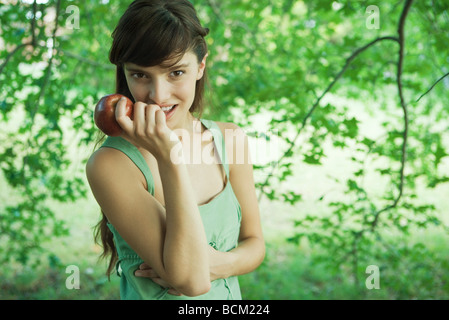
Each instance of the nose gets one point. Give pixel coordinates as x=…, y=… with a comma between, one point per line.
x=159, y=92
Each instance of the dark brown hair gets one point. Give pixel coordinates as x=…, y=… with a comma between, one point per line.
x=150, y=33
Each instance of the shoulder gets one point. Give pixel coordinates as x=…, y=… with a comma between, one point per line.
x=227, y=125
x=230, y=130
x=107, y=165
x=236, y=142
x=103, y=158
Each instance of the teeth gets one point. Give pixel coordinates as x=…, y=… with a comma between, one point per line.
x=165, y=109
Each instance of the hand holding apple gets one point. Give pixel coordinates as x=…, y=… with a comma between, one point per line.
x=104, y=115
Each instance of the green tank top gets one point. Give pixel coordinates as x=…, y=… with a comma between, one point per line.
x=221, y=219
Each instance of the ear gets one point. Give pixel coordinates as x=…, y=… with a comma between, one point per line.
x=202, y=67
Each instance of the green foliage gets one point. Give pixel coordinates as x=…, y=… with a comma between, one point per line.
x=48, y=89
x=297, y=53
x=289, y=59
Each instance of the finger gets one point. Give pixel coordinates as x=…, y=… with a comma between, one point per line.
x=150, y=114
x=161, y=282
x=174, y=292
x=120, y=115
x=160, y=119
x=147, y=273
x=139, y=116
x=164, y=284
x=144, y=266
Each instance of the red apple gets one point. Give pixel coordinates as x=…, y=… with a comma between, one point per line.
x=104, y=115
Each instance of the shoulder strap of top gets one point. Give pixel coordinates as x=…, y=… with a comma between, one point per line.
x=219, y=142
x=134, y=154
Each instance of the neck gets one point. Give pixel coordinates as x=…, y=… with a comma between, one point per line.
x=191, y=126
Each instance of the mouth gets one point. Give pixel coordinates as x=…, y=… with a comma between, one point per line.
x=169, y=111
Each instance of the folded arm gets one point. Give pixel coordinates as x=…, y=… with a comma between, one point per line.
x=250, y=252
x=171, y=240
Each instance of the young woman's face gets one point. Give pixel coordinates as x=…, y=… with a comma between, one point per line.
x=173, y=88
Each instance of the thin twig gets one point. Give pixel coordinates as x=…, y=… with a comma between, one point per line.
x=12, y=53
x=33, y=41
x=41, y=95
x=87, y=61
x=50, y=64
x=216, y=10
x=430, y=89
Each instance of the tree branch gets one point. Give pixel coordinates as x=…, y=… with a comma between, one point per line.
x=216, y=10
x=12, y=53
x=318, y=100
x=404, y=111
x=50, y=63
x=43, y=88
x=430, y=89
x=87, y=61
x=33, y=24
x=33, y=41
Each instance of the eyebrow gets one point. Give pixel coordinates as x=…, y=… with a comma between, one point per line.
x=179, y=66
x=171, y=68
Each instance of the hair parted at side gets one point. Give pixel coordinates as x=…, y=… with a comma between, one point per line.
x=150, y=33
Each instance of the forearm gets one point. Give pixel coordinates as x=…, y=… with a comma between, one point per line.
x=185, y=255
x=246, y=257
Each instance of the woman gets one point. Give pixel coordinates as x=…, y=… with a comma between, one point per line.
x=177, y=228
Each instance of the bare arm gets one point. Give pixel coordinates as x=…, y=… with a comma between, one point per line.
x=250, y=252
x=171, y=240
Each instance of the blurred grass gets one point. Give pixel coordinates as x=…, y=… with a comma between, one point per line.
x=292, y=272
x=288, y=272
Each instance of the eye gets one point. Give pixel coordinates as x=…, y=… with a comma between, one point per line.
x=177, y=73
x=138, y=75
